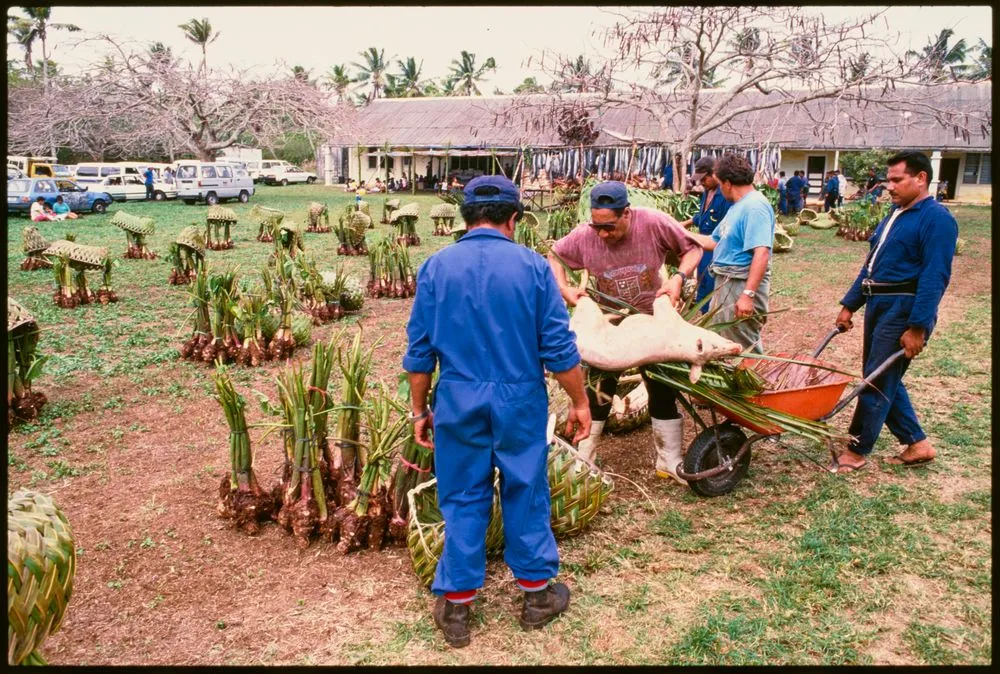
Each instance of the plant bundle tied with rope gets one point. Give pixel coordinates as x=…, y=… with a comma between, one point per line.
x=24, y=365
x=41, y=564
x=136, y=230
x=106, y=293
x=351, y=227
x=186, y=253
x=415, y=466
x=288, y=239
x=347, y=288
x=70, y=262
x=391, y=271
x=405, y=218
x=267, y=220
x=317, y=299
x=225, y=345
x=251, y=310
x=34, y=246
x=443, y=217
x=364, y=520
x=319, y=218
x=283, y=293
x=241, y=498
x=201, y=317
x=355, y=366
x=219, y=219
x=388, y=206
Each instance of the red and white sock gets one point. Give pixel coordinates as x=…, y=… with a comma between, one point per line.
x=533, y=585
x=466, y=597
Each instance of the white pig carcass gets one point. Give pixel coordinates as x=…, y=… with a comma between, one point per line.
x=641, y=339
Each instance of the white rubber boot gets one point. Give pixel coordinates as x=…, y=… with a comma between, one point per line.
x=668, y=438
x=588, y=446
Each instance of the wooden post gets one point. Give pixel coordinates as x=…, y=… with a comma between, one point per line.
x=413, y=160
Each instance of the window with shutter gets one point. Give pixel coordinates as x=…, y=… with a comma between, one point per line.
x=971, y=169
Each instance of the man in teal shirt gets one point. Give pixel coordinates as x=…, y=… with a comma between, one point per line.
x=742, y=259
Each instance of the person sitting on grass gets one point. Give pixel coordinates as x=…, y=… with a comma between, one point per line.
x=40, y=212
x=62, y=210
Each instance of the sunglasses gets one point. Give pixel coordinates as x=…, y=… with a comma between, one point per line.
x=606, y=228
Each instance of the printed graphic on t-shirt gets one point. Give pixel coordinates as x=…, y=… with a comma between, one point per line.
x=626, y=283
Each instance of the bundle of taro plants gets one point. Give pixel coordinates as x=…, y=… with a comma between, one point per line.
x=391, y=274
x=186, y=253
x=241, y=499
x=351, y=228
x=267, y=220
x=560, y=223
x=201, y=318
x=283, y=342
x=443, y=216
x=525, y=234
x=287, y=240
x=24, y=365
x=34, y=246
x=415, y=466
x=220, y=219
x=251, y=312
x=70, y=262
x=225, y=345
x=315, y=296
x=364, y=520
x=318, y=213
x=136, y=230
x=406, y=219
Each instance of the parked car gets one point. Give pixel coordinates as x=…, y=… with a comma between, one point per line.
x=133, y=188
x=21, y=192
x=285, y=175
x=269, y=167
x=62, y=171
x=14, y=172
x=211, y=182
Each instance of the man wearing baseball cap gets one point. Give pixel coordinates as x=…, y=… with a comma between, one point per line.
x=489, y=312
x=623, y=248
x=712, y=208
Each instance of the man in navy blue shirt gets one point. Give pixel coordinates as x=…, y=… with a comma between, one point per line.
x=901, y=284
x=490, y=312
x=711, y=209
x=148, y=176
x=832, y=190
x=793, y=193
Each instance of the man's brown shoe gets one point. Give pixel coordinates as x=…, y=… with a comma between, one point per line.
x=453, y=620
x=541, y=607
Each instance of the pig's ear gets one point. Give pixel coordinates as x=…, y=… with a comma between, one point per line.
x=695, y=371
x=699, y=345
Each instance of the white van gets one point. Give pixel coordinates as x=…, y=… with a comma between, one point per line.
x=95, y=172
x=269, y=168
x=211, y=182
x=125, y=180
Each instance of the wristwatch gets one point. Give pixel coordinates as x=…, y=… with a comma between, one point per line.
x=414, y=418
x=750, y=293
x=684, y=277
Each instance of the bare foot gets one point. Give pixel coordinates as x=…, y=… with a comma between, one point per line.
x=918, y=453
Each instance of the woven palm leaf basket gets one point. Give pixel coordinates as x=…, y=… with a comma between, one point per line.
x=79, y=255
x=34, y=245
x=192, y=237
x=132, y=223
x=221, y=214
x=577, y=487
x=41, y=562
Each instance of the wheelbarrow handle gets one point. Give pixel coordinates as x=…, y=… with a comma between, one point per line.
x=826, y=340
x=866, y=382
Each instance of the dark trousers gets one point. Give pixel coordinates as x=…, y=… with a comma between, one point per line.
x=794, y=203
x=662, y=398
x=831, y=201
x=149, y=192
x=887, y=403
x=783, y=202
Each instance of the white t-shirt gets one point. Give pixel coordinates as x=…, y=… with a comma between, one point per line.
x=841, y=183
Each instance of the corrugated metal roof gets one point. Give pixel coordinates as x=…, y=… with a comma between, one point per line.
x=902, y=119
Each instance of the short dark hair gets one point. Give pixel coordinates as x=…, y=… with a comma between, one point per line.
x=734, y=169
x=40, y=199
x=781, y=174
x=915, y=163
x=493, y=213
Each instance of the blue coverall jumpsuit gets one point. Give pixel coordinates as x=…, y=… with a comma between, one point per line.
x=919, y=247
x=793, y=194
x=489, y=311
x=707, y=219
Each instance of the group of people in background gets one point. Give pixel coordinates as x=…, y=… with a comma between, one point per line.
x=40, y=211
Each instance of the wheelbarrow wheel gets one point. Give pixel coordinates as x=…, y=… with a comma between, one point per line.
x=706, y=452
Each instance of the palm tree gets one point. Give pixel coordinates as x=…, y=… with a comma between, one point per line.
x=465, y=75
x=200, y=32
x=35, y=26
x=160, y=53
x=574, y=76
x=981, y=67
x=529, y=86
x=409, y=77
x=393, y=87
x=302, y=75
x=942, y=61
x=372, y=70
x=339, y=80
x=676, y=73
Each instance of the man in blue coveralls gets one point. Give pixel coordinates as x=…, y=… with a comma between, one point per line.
x=901, y=284
x=711, y=209
x=490, y=312
x=793, y=192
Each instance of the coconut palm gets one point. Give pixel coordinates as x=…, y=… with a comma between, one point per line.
x=301, y=74
x=160, y=53
x=981, y=67
x=200, y=32
x=575, y=76
x=408, y=78
x=943, y=61
x=372, y=71
x=529, y=86
x=338, y=79
x=35, y=25
x=465, y=75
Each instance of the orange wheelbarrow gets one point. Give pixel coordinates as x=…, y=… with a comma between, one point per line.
x=719, y=457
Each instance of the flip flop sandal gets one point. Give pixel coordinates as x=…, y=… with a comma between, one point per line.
x=903, y=463
x=843, y=469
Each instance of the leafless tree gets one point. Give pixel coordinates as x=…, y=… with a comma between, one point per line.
x=698, y=69
x=138, y=101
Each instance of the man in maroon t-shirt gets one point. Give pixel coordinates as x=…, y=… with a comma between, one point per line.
x=624, y=248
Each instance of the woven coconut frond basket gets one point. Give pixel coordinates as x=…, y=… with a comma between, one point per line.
x=317, y=208
x=578, y=489
x=34, y=242
x=782, y=241
x=41, y=562
x=262, y=215
x=392, y=204
x=192, y=237
x=221, y=214
x=363, y=207
x=411, y=210
x=17, y=316
x=359, y=222
x=132, y=223
x=443, y=211
x=91, y=257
